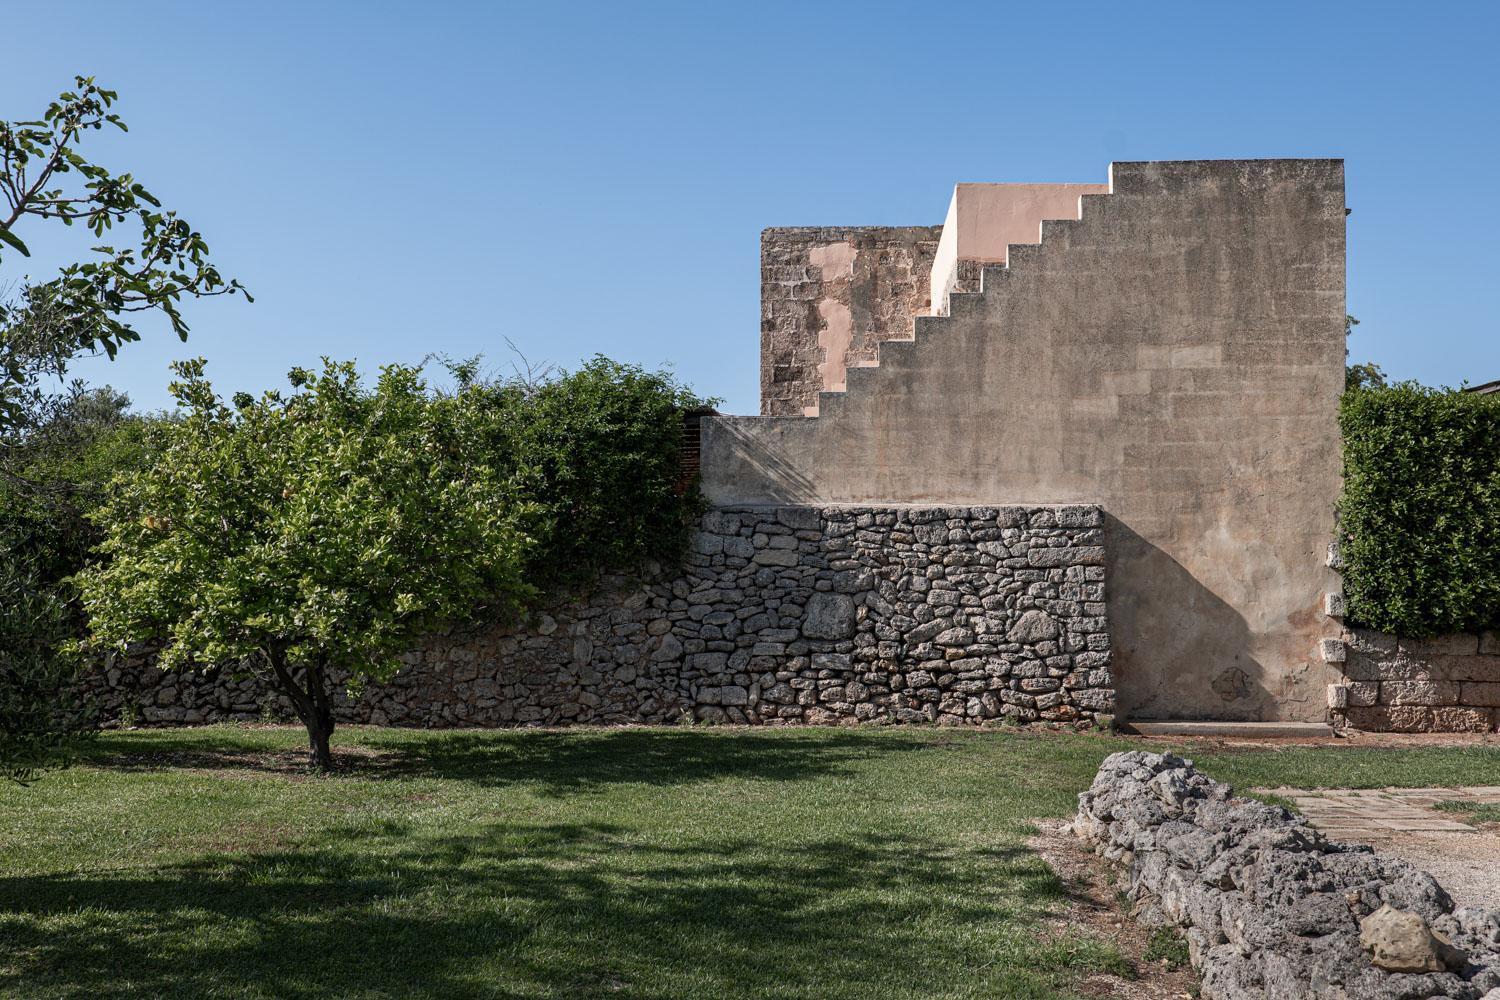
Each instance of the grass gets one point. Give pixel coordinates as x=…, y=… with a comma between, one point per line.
x=1473, y=812
x=1167, y=947
x=693, y=863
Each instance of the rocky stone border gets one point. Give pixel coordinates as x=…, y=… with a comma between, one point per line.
x=1271, y=908
x=784, y=615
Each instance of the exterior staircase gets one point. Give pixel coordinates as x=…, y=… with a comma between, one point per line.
x=994, y=279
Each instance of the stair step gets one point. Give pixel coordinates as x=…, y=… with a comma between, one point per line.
x=901, y=351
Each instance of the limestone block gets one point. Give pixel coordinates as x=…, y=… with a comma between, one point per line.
x=829, y=616
x=1400, y=941
x=1418, y=693
x=1483, y=693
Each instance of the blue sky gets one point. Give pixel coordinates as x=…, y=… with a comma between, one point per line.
x=394, y=179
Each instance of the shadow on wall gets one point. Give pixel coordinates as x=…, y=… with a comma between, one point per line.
x=766, y=468
x=1200, y=646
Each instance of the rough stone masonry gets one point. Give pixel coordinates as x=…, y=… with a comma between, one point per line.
x=1272, y=909
x=822, y=615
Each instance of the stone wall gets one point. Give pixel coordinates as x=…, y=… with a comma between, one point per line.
x=828, y=296
x=1270, y=908
x=1448, y=684
x=1175, y=355
x=832, y=615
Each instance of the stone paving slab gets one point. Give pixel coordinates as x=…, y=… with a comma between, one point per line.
x=1363, y=814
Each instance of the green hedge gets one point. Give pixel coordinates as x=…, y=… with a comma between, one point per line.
x=1420, y=512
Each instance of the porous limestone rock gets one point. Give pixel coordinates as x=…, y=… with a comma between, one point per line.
x=1269, y=906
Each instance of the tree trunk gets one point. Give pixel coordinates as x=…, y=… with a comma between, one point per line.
x=311, y=703
x=317, y=740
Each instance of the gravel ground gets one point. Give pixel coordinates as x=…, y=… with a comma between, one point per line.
x=1467, y=864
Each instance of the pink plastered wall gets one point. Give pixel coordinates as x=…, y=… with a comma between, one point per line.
x=985, y=219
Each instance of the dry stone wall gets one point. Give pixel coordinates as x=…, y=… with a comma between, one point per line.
x=1270, y=908
x=782, y=615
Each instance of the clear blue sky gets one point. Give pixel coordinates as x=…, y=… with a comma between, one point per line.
x=392, y=179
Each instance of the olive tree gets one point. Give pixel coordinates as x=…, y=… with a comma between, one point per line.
x=308, y=534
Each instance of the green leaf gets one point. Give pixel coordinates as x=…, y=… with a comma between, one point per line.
x=12, y=240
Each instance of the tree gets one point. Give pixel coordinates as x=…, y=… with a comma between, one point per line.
x=1366, y=374
x=58, y=472
x=43, y=327
x=308, y=534
x=44, y=176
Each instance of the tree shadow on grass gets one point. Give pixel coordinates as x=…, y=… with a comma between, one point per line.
x=545, y=910
x=550, y=762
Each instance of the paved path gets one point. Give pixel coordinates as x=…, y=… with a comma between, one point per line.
x=1374, y=814
x=1401, y=822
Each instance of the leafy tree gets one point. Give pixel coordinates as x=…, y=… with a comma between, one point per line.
x=305, y=534
x=58, y=472
x=1366, y=374
x=44, y=326
x=44, y=176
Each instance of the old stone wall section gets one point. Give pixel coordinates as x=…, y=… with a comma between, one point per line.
x=829, y=296
x=822, y=615
x=1271, y=908
x=1445, y=684
x=1176, y=356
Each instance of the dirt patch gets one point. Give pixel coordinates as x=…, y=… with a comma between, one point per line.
x=1095, y=909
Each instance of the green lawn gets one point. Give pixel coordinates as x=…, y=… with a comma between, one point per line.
x=699, y=863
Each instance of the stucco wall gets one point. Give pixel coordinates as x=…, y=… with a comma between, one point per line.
x=829, y=296
x=1176, y=356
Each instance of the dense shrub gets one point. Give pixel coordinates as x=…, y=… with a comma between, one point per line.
x=41, y=716
x=52, y=474
x=596, y=452
x=1420, y=512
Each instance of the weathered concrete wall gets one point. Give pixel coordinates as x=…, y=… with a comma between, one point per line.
x=1447, y=684
x=838, y=615
x=1175, y=356
x=829, y=296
